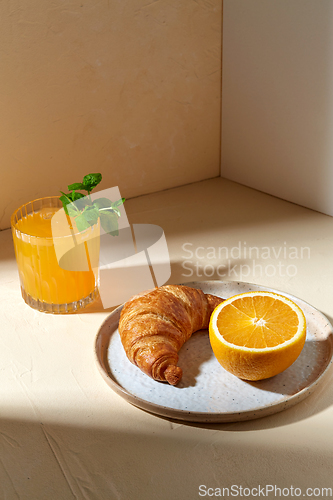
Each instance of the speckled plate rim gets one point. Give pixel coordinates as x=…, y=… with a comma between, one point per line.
x=110, y=324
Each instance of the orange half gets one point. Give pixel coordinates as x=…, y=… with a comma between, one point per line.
x=257, y=335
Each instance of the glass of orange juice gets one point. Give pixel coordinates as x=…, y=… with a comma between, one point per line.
x=47, y=284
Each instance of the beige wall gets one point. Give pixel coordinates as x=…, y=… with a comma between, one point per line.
x=131, y=89
x=277, y=115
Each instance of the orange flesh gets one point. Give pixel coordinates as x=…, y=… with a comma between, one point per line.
x=257, y=322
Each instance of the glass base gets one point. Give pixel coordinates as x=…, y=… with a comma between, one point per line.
x=59, y=308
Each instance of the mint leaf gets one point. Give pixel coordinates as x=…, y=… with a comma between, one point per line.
x=77, y=196
x=72, y=210
x=81, y=201
x=70, y=203
x=116, y=211
x=119, y=202
x=65, y=198
x=75, y=186
x=103, y=203
x=90, y=181
x=109, y=222
x=85, y=212
x=91, y=215
x=81, y=223
x=65, y=201
x=70, y=197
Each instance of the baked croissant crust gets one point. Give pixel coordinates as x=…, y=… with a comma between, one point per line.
x=154, y=326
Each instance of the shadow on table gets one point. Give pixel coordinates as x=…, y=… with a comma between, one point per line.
x=140, y=457
x=95, y=307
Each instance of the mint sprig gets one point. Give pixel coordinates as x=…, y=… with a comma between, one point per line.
x=87, y=212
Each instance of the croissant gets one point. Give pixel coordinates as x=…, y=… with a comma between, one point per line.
x=153, y=327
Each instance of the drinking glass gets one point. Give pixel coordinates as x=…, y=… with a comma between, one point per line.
x=47, y=284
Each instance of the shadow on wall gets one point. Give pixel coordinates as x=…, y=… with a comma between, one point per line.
x=277, y=107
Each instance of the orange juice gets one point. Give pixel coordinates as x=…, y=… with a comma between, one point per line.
x=45, y=284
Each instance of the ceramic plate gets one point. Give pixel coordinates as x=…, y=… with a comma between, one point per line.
x=208, y=393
